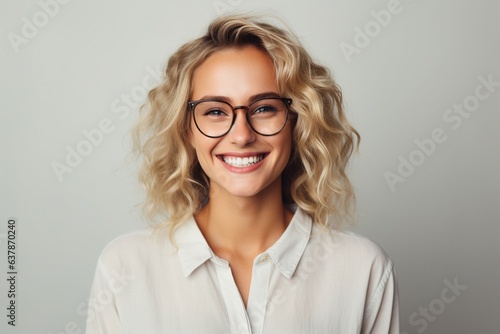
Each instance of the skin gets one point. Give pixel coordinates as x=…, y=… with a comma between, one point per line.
x=245, y=214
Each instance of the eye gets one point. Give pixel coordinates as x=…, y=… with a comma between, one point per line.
x=267, y=108
x=264, y=108
x=213, y=109
x=215, y=112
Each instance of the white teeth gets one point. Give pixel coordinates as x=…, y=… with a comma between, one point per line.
x=242, y=162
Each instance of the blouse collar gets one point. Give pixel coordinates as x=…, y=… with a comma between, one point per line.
x=285, y=253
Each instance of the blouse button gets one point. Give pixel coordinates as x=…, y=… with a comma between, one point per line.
x=264, y=258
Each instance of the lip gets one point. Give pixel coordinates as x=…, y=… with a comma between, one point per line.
x=241, y=170
x=242, y=154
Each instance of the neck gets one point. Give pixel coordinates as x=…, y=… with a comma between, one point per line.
x=244, y=225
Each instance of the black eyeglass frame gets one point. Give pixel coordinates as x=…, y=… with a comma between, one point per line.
x=287, y=101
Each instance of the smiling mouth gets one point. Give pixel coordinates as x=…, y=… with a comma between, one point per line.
x=242, y=161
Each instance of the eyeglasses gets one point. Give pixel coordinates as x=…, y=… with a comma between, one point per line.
x=266, y=116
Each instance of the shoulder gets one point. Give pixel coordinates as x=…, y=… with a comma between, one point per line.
x=353, y=251
x=360, y=246
x=359, y=265
x=133, y=247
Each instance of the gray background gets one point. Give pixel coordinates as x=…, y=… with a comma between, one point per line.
x=440, y=226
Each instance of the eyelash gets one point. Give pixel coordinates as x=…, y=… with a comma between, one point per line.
x=215, y=112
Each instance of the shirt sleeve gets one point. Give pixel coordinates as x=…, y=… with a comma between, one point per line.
x=102, y=315
x=382, y=313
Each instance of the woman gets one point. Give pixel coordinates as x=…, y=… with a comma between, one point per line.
x=245, y=145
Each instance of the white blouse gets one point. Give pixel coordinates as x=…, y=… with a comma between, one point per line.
x=311, y=281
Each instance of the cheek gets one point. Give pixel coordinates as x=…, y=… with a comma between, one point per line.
x=286, y=143
x=284, y=152
x=203, y=148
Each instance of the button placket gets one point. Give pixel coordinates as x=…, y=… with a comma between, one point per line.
x=257, y=299
x=238, y=317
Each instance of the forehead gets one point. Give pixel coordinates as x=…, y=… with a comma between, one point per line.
x=236, y=73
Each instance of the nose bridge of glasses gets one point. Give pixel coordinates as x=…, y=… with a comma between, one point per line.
x=246, y=108
x=245, y=117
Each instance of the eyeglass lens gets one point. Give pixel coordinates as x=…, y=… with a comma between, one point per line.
x=266, y=116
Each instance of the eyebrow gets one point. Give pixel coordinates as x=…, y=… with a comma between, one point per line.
x=250, y=99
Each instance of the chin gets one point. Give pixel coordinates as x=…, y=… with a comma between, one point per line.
x=238, y=192
x=243, y=190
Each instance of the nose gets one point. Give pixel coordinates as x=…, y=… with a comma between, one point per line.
x=241, y=133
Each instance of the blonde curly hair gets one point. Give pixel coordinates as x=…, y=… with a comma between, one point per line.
x=322, y=141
